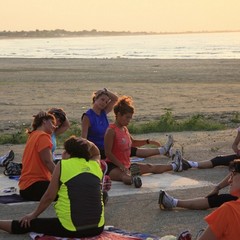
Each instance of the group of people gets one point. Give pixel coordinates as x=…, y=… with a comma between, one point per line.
x=80, y=213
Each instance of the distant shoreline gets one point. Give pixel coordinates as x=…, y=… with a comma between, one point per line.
x=59, y=33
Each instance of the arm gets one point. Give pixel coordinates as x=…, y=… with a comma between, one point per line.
x=46, y=157
x=113, y=99
x=108, y=144
x=63, y=127
x=139, y=143
x=224, y=183
x=94, y=151
x=85, y=126
x=207, y=235
x=235, y=144
x=48, y=197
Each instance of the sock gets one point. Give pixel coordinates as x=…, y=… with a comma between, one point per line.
x=161, y=150
x=193, y=164
x=175, y=202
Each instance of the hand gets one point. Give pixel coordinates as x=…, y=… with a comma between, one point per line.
x=125, y=170
x=25, y=221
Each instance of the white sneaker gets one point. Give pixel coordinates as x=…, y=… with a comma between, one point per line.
x=165, y=201
x=5, y=159
x=177, y=160
x=168, y=145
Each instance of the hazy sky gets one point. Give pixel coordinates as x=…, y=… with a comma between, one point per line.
x=120, y=15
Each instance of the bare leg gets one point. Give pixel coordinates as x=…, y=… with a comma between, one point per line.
x=157, y=168
x=205, y=164
x=147, y=152
x=6, y=225
x=118, y=175
x=195, y=203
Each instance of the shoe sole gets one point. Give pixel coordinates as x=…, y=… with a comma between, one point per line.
x=167, y=152
x=137, y=182
x=160, y=199
x=185, y=165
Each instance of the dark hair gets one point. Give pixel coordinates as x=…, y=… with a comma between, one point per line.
x=98, y=94
x=76, y=148
x=39, y=118
x=124, y=105
x=234, y=166
x=58, y=113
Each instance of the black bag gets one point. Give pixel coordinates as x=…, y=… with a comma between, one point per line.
x=13, y=169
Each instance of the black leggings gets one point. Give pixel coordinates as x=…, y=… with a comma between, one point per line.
x=217, y=200
x=223, y=160
x=53, y=227
x=35, y=191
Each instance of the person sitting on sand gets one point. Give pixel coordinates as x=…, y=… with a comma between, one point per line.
x=217, y=161
x=79, y=213
x=37, y=160
x=95, y=124
x=223, y=223
x=95, y=121
x=62, y=126
x=118, y=142
x=212, y=200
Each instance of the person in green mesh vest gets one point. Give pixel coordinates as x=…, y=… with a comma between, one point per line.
x=76, y=182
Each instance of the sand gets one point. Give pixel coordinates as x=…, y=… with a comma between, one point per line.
x=185, y=87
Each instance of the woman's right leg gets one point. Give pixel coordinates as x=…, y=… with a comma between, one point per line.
x=217, y=161
x=166, y=201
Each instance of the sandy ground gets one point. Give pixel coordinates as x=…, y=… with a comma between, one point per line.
x=185, y=87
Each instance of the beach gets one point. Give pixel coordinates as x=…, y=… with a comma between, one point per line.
x=184, y=87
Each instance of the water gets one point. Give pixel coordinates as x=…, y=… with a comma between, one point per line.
x=169, y=46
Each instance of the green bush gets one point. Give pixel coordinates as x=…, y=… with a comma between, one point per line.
x=166, y=123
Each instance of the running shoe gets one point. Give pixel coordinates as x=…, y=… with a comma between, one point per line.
x=177, y=160
x=137, y=181
x=185, y=235
x=4, y=160
x=168, y=145
x=135, y=173
x=165, y=201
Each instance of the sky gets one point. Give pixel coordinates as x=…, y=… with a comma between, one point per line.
x=120, y=15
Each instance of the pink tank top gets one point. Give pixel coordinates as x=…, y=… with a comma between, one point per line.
x=121, y=145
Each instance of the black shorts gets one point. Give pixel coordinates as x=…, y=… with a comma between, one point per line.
x=35, y=191
x=217, y=200
x=223, y=160
x=53, y=227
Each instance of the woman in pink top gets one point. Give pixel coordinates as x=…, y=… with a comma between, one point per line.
x=118, y=142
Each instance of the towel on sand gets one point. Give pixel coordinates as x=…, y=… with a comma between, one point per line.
x=109, y=233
